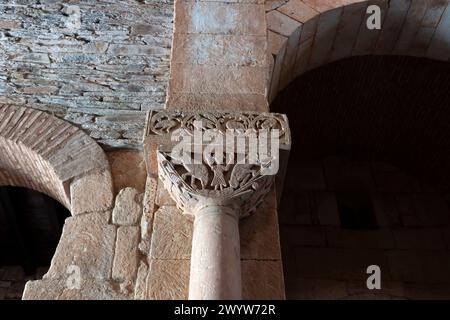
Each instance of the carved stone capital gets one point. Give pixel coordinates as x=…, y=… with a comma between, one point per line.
x=195, y=186
x=209, y=169
x=203, y=181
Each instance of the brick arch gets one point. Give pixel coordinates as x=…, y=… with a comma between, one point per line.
x=47, y=154
x=305, y=34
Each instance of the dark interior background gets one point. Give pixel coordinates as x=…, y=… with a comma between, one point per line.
x=30, y=228
x=368, y=179
x=392, y=108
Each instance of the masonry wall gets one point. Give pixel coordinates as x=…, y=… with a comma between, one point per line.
x=98, y=64
x=411, y=244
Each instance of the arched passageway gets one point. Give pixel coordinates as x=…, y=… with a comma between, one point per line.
x=30, y=228
x=43, y=153
x=368, y=179
x=306, y=34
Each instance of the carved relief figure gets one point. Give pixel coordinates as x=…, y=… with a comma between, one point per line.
x=241, y=174
x=218, y=182
x=196, y=172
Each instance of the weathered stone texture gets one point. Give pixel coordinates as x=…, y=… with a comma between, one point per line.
x=148, y=211
x=90, y=193
x=98, y=64
x=127, y=169
x=58, y=290
x=44, y=153
x=87, y=242
x=141, y=282
x=319, y=32
x=126, y=254
x=128, y=208
x=219, y=57
x=168, y=279
x=172, y=234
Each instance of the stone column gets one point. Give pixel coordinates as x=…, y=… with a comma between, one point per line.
x=215, y=257
x=216, y=194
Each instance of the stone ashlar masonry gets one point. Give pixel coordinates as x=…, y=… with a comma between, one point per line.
x=104, y=246
x=305, y=34
x=101, y=75
x=141, y=250
x=219, y=62
x=166, y=238
x=324, y=261
x=105, y=243
x=49, y=155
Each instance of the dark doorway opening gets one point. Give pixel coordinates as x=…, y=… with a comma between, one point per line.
x=30, y=228
x=368, y=179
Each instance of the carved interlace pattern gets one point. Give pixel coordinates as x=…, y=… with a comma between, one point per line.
x=194, y=185
x=165, y=122
x=241, y=185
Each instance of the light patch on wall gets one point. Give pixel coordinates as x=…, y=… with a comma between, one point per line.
x=203, y=18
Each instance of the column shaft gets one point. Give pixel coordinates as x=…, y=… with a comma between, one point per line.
x=215, y=258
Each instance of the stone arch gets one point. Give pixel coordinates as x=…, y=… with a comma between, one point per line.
x=46, y=154
x=305, y=34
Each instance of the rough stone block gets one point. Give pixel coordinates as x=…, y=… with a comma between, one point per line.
x=172, y=234
x=92, y=193
x=326, y=31
x=298, y=10
x=277, y=48
x=57, y=290
x=367, y=39
x=126, y=254
x=352, y=17
x=163, y=197
x=168, y=279
x=203, y=79
x=140, y=290
x=410, y=27
x=128, y=208
x=149, y=208
x=226, y=101
x=392, y=26
x=87, y=242
x=127, y=169
x=221, y=50
x=219, y=18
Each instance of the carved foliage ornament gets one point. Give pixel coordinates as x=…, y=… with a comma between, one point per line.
x=242, y=186
x=193, y=185
x=166, y=122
